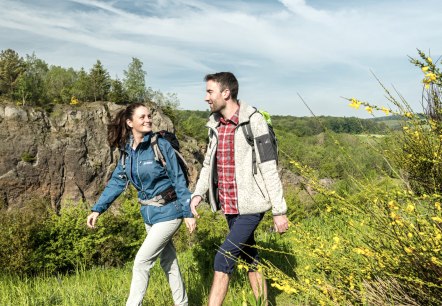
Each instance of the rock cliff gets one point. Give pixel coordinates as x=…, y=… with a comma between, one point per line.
x=64, y=155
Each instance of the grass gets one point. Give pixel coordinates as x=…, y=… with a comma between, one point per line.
x=110, y=286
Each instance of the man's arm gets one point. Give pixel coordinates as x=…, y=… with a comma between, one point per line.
x=202, y=185
x=266, y=160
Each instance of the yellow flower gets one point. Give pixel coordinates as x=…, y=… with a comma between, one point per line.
x=408, y=250
x=425, y=68
x=386, y=110
x=369, y=109
x=355, y=103
x=410, y=208
x=410, y=235
x=431, y=77
x=429, y=59
x=437, y=205
x=408, y=115
x=437, y=219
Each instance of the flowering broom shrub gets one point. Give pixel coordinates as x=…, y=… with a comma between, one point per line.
x=381, y=242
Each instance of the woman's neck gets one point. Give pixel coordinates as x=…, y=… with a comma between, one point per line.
x=137, y=139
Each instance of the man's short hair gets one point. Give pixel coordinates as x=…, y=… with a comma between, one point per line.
x=226, y=80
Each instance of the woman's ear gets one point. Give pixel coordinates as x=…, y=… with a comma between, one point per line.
x=129, y=123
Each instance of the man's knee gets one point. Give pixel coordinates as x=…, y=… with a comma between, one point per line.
x=224, y=262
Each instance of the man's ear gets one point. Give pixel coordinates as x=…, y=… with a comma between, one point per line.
x=226, y=93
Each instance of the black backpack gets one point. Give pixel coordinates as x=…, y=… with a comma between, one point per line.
x=159, y=157
x=250, y=139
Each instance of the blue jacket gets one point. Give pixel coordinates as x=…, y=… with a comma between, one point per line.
x=152, y=179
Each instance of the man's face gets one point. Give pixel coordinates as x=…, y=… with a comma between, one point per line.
x=214, y=97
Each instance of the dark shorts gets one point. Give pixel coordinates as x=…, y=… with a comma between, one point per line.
x=239, y=242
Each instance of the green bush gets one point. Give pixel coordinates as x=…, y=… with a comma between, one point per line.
x=18, y=229
x=35, y=239
x=28, y=157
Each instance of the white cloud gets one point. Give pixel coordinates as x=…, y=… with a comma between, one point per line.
x=300, y=7
x=281, y=47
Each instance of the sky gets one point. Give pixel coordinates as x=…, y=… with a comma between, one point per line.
x=320, y=50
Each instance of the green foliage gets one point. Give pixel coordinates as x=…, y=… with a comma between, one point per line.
x=134, y=81
x=117, y=93
x=30, y=83
x=419, y=149
x=58, y=84
x=309, y=126
x=17, y=240
x=192, y=125
x=376, y=241
x=81, y=89
x=35, y=239
x=99, y=81
x=11, y=66
x=28, y=157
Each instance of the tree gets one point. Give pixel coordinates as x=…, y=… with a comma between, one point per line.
x=134, y=82
x=11, y=66
x=82, y=87
x=58, y=84
x=30, y=83
x=117, y=93
x=100, y=81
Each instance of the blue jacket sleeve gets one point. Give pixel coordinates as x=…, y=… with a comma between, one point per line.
x=113, y=189
x=176, y=176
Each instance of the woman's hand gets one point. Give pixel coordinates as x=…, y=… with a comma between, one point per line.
x=191, y=224
x=92, y=219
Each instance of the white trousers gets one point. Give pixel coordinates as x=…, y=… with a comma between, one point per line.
x=158, y=242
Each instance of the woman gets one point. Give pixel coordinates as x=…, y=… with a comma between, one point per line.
x=162, y=193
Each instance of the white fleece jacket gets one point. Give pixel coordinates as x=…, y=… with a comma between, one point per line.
x=256, y=192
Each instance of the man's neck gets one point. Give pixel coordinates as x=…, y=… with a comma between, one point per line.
x=230, y=109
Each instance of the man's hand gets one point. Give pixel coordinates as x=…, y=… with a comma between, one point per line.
x=281, y=223
x=191, y=224
x=92, y=219
x=193, y=205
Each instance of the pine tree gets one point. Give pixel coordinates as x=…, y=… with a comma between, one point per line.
x=82, y=87
x=100, y=82
x=134, y=81
x=117, y=93
x=11, y=66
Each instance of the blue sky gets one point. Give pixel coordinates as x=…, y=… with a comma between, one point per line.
x=323, y=50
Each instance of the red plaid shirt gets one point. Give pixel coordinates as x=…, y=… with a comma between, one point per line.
x=225, y=155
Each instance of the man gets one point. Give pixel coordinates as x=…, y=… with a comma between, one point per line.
x=243, y=193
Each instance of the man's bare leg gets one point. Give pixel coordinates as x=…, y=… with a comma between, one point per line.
x=219, y=288
x=259, y=286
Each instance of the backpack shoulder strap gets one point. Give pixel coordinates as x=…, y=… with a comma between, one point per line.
x=156, y=150
x=248, y=134
x=123, y=158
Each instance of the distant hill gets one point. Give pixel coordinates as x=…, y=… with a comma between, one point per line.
x=192, y=122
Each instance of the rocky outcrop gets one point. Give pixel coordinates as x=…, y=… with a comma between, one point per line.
x=63, y=155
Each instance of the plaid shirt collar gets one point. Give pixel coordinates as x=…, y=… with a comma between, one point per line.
x=234, y=119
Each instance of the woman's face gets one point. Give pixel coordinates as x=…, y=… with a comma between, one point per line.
x=141, y=122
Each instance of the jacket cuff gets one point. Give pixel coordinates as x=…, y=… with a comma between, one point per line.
x=187, y=214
